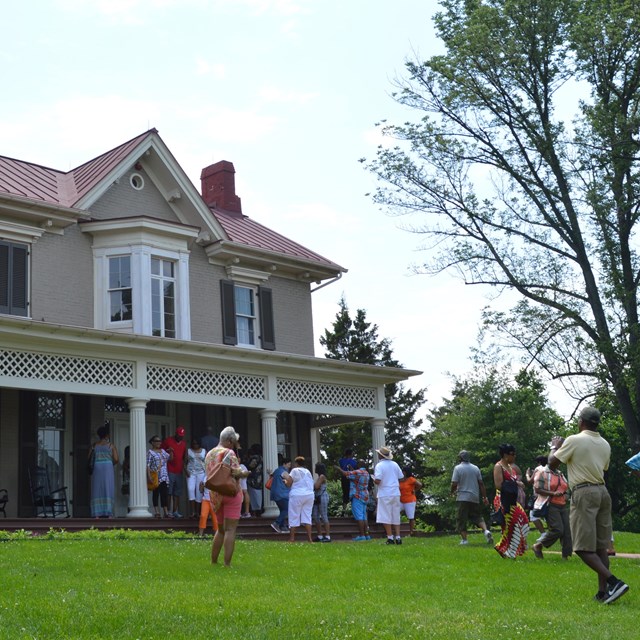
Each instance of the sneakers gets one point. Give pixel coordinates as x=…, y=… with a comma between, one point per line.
x=390, y=541
x=367, y=537
x=398, y=540
x=613, y=592
x=319, y=539
x=275, y=527
x=245, y=515
x=284, y=530
x=464, y=542
x=177, y=515
x=489, y=537
x=359, y=539
x=326, y=539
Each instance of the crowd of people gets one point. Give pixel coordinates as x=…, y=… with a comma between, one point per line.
x=582, y=527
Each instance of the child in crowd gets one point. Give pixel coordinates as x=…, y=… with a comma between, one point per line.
x=206, y=509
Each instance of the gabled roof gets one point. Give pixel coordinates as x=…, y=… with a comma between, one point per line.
x=27, y=184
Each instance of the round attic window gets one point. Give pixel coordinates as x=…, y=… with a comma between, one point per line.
x=136, y=181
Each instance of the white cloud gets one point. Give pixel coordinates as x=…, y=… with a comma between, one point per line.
x=205, y=68
x=229, y=125
x=270, y=94
x=77, y=128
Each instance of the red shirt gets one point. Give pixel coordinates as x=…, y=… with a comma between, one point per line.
x=179, y=448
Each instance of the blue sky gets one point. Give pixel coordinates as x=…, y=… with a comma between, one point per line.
x=287, y=90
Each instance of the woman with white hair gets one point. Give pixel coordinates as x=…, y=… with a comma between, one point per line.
x=227, y=508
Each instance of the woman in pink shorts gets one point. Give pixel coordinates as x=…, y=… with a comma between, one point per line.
x=227, y=508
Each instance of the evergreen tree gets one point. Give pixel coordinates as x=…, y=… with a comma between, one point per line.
x=356, y=340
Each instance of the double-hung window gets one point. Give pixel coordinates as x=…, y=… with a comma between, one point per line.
x=141, y=275
x=245, y=302
x=120, y=299
x=14, y=278
x=163, y=298
x=247, y=315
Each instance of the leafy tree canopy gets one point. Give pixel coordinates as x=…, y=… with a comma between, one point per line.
x=482, y=413
x=356, y=340
x=521, y=185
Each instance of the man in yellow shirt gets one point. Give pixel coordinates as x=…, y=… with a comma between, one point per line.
x=587, y=455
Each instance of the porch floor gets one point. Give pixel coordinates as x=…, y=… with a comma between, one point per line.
x=248, y=528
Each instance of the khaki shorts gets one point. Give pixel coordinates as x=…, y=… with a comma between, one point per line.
x=590, y=518
x=468, y=511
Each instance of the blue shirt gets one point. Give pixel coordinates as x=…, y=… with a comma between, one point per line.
x=279, y=489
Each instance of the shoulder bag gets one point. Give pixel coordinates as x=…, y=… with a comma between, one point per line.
x=219, y=478
x=153, y=476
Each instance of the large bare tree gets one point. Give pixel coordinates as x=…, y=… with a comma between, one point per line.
x=522, y=164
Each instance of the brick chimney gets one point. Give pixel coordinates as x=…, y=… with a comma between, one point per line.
x=219, y=187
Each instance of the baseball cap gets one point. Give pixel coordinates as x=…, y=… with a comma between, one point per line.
x=180, y=431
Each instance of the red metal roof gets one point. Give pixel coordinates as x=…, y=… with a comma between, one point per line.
x=35, y=182
x=29, y=180
x=244, y=230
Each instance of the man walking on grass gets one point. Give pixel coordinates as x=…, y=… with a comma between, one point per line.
x=587, y=455
x=467, y=486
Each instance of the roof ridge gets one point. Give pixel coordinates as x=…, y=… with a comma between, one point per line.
x=116, y=148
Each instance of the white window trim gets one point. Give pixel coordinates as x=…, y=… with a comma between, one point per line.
x=141, y=238
x=122, y=325
x=141, y=289
x=250, y=279
x=256, y=316
x=22, y=233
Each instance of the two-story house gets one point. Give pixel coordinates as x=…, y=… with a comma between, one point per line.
x=127, y=296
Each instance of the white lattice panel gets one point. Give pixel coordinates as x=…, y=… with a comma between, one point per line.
x=334, y=395
x=44, y=366
x=202, y=382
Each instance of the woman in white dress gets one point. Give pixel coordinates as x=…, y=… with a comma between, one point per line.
x=300, y=481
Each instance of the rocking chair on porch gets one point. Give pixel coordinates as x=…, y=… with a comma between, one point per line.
x=47, y=502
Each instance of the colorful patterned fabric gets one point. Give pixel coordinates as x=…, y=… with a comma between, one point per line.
x=359, y=487
x=513, y=542
x=157, y=461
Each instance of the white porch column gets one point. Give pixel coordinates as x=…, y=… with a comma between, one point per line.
x=138, y=495
x=315, y=448
x=377, y=436
x=269, y=457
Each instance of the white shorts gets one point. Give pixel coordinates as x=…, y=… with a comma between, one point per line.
x=409, y=509
x=300, y=508
x=388, y=510
x=193, y=486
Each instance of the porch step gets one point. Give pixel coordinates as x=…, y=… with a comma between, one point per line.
x=248, y=528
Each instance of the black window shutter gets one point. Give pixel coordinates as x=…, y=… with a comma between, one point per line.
x=4, y=277
x=13, y=278
x=229, y=332
x=267, y=326
x=19, y=280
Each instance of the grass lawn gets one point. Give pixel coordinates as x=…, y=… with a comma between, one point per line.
x=162, y=587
